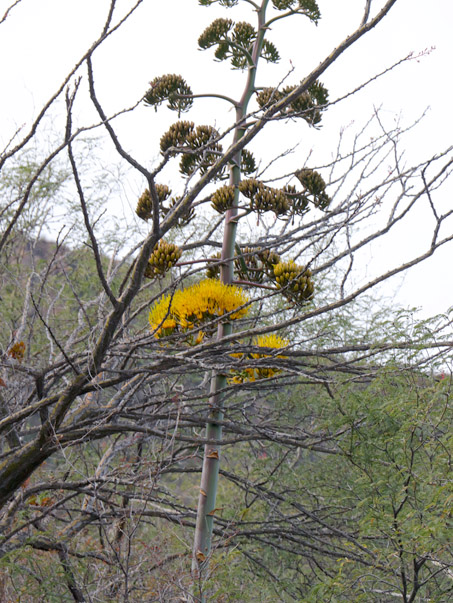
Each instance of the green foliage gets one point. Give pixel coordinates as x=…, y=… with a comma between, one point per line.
x=392, y=478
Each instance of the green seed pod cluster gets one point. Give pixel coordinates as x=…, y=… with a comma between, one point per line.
x=188, y=138
x=295, y=281
x=310, y=104
x=164, y=256
x=201, y=136
x=244, y=34
x=163, y=192
x=176, y=135
x=304, y=107
x=223, y=199
x=243, y=37
x=169, y=87
x=283, y=4
x=314, y=185
x=213, y=269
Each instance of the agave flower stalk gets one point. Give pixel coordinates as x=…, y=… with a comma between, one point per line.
x=211, y=461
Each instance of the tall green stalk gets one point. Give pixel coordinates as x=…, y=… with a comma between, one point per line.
x=211, y=460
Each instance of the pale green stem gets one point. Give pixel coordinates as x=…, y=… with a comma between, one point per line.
x=211, y=461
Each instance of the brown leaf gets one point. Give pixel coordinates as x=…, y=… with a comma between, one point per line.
x=47, y=501
x=17, y=351
x=214, y=454
x=200, y=557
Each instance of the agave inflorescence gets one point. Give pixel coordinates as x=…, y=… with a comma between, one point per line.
x=193, y=307
x=162, y=259
x=173, y=88
x=271, y=341
x=294, y=280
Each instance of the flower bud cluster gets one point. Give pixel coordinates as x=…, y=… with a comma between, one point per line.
x=199, y=151
x=201, y=139
x=144, y=209
x=176, y=135
x=248, y=163
x=227, y=3
x=213, y=268
x=308, y=105
x=299, y=201
x=249, y=265
x=307, y=7
x=264, y=198
x=235, y=43
x=170, y=87
x=223, y=198
x=314, y=185
x=164, y=257
x=294, y=280
x=269, y=259
x=215, y=34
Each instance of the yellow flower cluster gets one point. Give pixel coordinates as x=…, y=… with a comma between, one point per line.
x=196, y=305
x=252, y=374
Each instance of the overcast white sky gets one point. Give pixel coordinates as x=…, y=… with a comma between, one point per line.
x=41, y=40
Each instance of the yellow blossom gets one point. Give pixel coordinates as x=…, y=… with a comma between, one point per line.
x=251, y=374
x=195, y=305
